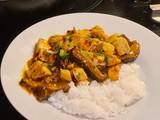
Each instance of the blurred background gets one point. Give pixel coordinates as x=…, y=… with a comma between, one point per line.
x=17, y=15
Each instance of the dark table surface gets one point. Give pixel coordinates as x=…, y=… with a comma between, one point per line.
x=14, y=22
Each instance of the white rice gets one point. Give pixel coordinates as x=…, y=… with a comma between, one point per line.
x=102, y=101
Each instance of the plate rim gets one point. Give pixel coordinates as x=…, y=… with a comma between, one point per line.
x=47, y=19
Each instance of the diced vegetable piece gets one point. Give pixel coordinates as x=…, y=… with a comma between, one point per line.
x=96, y=41
x=46, y=56
x=80, y=75
x=98, y=32
x=70, y=66
x=83, y=33
x=99, y=58
x=124, y=36
x=113, y=72
x=122, y=46
x=88, y=65
x=65, y=75
x=56, y=39
x=108, y=48
x=62, y=53
x=68, y=45
x=133, y=54
x=135, y=47
x=120, y=42
x=96, y=46
x=84, y=43
x=42, y=44
x=43, y=52
x=56, y=42
x=38, y=70
x=112, y=38
x=113, y=60
x=75, y=39
x=81, y=39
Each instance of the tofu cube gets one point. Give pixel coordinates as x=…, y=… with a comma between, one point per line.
x=113, y=60
x=113, y=72
x=38, y=70
x=42, y=44
x=46, y=56
x=122, y=46
x=80, y=75
x=108, y=48
x=65, y=75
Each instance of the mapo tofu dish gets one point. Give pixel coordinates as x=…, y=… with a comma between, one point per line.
x=80, y=56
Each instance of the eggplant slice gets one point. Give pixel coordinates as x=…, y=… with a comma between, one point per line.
x=88, y=65
x=133, y=54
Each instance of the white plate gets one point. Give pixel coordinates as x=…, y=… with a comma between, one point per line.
x=21, y=49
